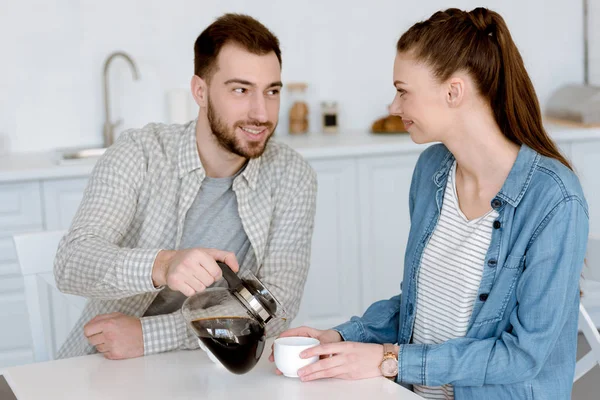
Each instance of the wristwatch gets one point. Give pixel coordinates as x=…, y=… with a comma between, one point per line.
x=389, y=364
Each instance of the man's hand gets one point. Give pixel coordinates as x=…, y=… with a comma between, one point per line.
x=117, y=336
x=190, y=271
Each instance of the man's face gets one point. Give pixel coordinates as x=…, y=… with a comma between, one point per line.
x=243, y=100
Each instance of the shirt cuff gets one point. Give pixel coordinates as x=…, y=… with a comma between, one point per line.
x=412, y=363
x=163, y=332
x=351, y=331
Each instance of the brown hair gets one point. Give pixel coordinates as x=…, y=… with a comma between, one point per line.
x=240, y=29
x=479, y=43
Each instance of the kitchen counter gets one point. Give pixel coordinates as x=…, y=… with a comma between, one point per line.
x=313, y=146
x=180, y=375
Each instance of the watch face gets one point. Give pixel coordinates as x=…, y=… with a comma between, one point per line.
x=389, y=367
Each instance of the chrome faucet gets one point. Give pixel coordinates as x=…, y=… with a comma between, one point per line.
x=109, y=127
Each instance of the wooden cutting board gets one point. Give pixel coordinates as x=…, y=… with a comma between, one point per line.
x=566, y=122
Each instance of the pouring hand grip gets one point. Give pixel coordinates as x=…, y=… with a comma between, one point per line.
x=230, y=277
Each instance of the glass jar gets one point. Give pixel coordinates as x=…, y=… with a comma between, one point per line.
x=330, y=117
x=231, y=322
x=298, y=123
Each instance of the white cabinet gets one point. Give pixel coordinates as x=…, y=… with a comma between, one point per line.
x=61, y=201
x=20, y=207
x=332, y=292
x=15, y=334
x=384, y=184
x=20, y=211
x=361, y=229
x=8, y=258
x=28, y=206
x=586, y=161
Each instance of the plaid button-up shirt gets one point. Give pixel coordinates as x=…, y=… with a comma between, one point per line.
x=135, y=205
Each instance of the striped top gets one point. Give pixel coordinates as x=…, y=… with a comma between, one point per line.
x=449, y=277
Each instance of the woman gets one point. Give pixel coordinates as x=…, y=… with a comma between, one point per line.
x=498, y=233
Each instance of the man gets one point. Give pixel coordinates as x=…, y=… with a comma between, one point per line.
x=168, y=201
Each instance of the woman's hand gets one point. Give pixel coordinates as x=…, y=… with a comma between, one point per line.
x=328, y=336
x=345, y=360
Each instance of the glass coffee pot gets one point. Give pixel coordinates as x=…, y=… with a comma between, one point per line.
x=231, y=321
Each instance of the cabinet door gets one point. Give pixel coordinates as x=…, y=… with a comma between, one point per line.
x=20, y=208
x=332, y=289
x=384, y=185
x=61, y=201
x=15, y=337
x=20, y=211
x=586, y=161
x=9, y=267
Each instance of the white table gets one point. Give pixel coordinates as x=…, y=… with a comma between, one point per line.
x=180, y=375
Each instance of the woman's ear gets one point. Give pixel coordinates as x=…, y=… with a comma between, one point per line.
x=455, y=92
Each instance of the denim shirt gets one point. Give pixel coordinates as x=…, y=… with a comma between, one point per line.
x=522, y=336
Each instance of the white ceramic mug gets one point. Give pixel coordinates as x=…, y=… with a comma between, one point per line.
x=287, y=354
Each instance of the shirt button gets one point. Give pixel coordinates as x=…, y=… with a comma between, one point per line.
x=496, y=203
x=497, y=224
x=492, y=263
x=483, y=296
x=410, y=309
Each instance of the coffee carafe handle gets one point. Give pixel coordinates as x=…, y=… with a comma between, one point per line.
x=230, y=277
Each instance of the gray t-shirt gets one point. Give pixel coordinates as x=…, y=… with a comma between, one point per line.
x=212, y=221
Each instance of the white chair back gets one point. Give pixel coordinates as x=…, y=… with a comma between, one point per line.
x=586, y=324
x=52, y=314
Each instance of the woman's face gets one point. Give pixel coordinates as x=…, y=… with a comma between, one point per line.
x=420, y=100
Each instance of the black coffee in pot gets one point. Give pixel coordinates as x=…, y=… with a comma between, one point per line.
x=237, y=342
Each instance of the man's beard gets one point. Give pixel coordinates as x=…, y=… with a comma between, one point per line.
x=228, y=140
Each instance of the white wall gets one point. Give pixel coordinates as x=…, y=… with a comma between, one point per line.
x=594, y=41
x=52, y=54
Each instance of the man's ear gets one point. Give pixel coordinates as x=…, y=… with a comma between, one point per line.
x=199, y=91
